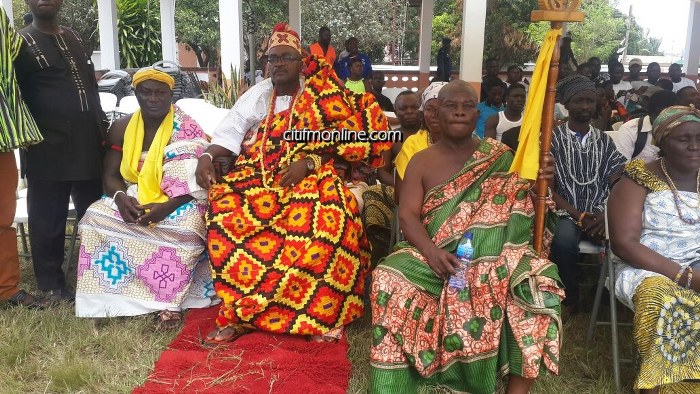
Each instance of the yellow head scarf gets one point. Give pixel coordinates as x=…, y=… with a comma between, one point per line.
x=151, y=174
x=147, y=73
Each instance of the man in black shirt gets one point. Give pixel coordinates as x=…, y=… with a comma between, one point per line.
x=444, y=63
x=57, y=81
x=377, y=86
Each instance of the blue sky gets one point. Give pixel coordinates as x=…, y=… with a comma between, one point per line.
x=667, y=19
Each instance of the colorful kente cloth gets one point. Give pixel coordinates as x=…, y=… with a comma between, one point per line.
x=378, y=215
x=17, y=127
x=505, y=320
x=294, y=260
x=127, y=269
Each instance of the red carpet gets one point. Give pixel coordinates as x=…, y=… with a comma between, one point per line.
x=255, y=363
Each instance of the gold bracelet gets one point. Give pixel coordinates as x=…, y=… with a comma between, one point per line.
x=690, y=278
x=316, y=159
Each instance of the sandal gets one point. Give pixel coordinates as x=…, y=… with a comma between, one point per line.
x=332, y=335
x=23, y=298
x=322, y=339
x=168, y=320
x=234, y=331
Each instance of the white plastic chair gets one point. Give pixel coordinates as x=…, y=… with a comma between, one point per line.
x=21, y=218
x=128, y=105
x=108, y=101
x=205, y=114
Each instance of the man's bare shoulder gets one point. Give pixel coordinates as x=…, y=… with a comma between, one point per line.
x=116, y=132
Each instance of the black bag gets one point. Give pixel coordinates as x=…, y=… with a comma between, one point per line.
x=642, y=137
x=186, y=83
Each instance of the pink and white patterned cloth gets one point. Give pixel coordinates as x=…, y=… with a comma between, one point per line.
x=128, y=269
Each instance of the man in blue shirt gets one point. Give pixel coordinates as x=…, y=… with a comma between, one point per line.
x=341, y=66
x=493, y=104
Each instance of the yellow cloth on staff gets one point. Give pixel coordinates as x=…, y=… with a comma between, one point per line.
x=527, y=158
x=151, y=174
x=413, y=144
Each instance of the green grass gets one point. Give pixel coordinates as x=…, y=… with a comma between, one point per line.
x=52, y=351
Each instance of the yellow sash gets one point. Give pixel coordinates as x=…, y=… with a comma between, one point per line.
x=151, y=174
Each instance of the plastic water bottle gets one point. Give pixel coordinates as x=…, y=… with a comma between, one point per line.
x=464, y=253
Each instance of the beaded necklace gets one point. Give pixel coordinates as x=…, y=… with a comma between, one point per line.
x=284, y=152
x=677, y=196
x=573, y=150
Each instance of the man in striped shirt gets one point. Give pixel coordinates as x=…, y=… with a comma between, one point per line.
x=587, y=162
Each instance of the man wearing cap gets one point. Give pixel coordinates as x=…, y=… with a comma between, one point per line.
x=586, y=163
x=634, y=78
x=285, y=237
x=142, y=245
x=57, y=81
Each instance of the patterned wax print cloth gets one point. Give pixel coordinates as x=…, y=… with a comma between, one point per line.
x=126, y=269
x=506, y=320
x=294, y=259
x=667, y=316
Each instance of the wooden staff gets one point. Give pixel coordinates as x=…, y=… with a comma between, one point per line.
x=556, y=12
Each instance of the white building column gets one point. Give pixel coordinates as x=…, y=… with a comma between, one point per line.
x=7, y=5
x=425, y=40
x=472, y=51
x=295, y=16
x=692, y=42
x=231, y=26
x=109, y=43
x=167, y=28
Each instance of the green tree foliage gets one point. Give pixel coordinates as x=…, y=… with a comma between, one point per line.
x=600, y=32
x=641, y=42
x=197, y=25
x=266, y=13
x=350, y=18
x=139, y=32
x=79, y=15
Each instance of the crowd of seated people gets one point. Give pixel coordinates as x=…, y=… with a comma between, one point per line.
x=293, y=237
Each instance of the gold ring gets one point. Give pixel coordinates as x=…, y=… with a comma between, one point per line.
x=147, y=210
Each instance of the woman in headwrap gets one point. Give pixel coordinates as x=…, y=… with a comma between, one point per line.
x=654, y=214
x=425, y=137
x=143, y=244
